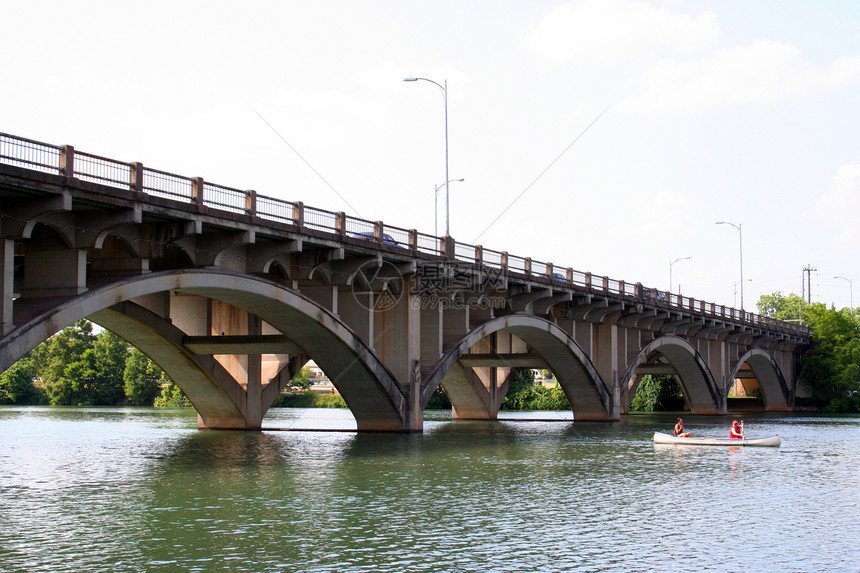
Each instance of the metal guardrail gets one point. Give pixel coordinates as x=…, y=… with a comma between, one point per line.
x=64, y=160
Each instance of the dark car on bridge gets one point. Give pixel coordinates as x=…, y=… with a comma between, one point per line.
x=654, y=294
x=370, y=236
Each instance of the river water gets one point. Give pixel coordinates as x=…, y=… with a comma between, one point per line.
x=143, y=490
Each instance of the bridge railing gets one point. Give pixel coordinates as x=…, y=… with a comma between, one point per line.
x=400, y=237
x=226, y=198
x=274, y=209
x=97, y=169
x=359, y=228
x=30, y=154
x=65, y=160
x=466, y=253
x=322, y=220
x=429, y=244
x=493, y=259
x=167, y=185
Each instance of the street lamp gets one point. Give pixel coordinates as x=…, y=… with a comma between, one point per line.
x=670, y=269
x=735, y=301
x=850, y=290
x=436, y=206
x=741, y=246
x=444, y=89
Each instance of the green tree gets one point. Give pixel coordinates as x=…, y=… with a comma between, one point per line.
x=95, y=378
x=111, y=353
x=831, y=367
x=16, y=384
x=74, y=386
x=143, y=379
x=172, y=397
x=65, y=347
x=781, y=307
x=657, y=393
x=301, y=381
x=439, y=400
x=518, y=393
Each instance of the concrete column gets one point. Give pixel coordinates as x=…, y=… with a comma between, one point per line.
x=7, y=286
x=484, y=346
x=272, y=364
x=323, y=295
x=605, y=358
x=494, y=375
x=455, y=325
x=396, y=335
x=54, y=272
x=720, y=370
x=478, y=316
x=633, y=344
x=619, y=350
x=355, y=310
x=189, y=313
x=414, y=313
x=583, y=333
x=431, y=334
x=229, y=320
x=568, y=325
x=502, y=343
x=254, y=406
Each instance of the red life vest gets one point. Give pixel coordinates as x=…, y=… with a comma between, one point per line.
x=736, y=428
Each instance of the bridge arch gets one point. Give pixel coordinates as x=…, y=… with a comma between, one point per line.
x=211, y=389
x=367, y=386
x=577, y=376
x=696, y=380
x=774, y=390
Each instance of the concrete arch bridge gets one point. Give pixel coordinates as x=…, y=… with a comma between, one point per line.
x=231, y=292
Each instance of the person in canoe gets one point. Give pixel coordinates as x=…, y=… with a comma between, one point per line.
x=679, y=429
x=736, y=431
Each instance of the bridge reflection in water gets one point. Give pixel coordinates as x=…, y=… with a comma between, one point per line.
x=231, y=292
x=141, y=491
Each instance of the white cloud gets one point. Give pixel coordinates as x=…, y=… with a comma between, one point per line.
x=840, y=206
x=608, y=31
x=763, y=72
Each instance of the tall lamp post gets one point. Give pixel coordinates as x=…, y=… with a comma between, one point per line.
x=436, y=206
x=735, y=300
x=444, y=89
x=850, y=290
x=741, y=250
x=670, y=269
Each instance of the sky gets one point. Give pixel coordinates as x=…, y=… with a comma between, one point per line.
x=608, y=136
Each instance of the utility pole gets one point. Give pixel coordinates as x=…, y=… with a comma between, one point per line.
x=808, y=270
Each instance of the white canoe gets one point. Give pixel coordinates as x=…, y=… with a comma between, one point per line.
x=660, y=438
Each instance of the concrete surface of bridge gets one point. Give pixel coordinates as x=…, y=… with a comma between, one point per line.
x=231, y=292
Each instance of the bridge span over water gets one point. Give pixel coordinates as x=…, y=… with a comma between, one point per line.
x=232, y=292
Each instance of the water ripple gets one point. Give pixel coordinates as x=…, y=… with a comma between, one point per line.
x=136, y=492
